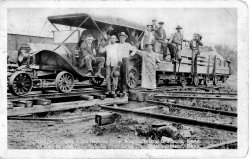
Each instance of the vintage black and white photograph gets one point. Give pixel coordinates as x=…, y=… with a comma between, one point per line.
x=152, y=78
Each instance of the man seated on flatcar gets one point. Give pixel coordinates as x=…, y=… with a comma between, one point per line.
x=177, y=41
x=161, y=37
x=87, y=57
x=148, y=36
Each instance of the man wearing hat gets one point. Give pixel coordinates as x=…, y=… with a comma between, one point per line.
x=124, y=50
x=160, y=36
x=194, y=45
x=148, y=36
x=177, y=41
x=154, y=25
x=112, y=67
x=87, y=57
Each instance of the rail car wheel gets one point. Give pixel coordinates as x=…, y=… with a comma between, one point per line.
x=157, y=79
x=96, y=81
x=196, y=80
x=20, y=83
x=183, y=80
x=215, y=80
x=189, y=81
x=132, y=77
x=206, y=80
x=64, y=82
x=166, y=81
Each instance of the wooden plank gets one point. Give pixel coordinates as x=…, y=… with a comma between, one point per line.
x=23, y=103
x=42, y=102
x=66, y=106
x=86, y=97
x=146, y=108
x=99, y=96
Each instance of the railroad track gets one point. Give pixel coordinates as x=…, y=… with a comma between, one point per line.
x=201, y=93
x=227, y=113
x=162, y=96
x=52, y=95
x=211, y=89
x=180, y=120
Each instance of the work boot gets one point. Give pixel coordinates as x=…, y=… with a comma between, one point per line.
x=89, y=74
x=113, y=95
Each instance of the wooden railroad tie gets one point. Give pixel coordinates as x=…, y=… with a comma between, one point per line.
x=65, y=106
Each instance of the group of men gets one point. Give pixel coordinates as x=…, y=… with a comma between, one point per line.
x=115, y=52
x=173, y=44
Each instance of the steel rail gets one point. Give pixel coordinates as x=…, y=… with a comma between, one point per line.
x=225, y=127
x=195, y=108
x=195, y=97
x=202, y=93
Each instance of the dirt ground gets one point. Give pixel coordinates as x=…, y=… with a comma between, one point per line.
x=82, y=135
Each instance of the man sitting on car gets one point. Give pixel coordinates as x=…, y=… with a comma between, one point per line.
x=87, y=57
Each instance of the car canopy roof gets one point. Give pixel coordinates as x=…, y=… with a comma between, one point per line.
x=75, y=20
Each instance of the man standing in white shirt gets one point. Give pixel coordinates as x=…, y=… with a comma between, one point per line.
x=124, y=51
x=112, y=67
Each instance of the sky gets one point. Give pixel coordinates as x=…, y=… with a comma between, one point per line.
x=216, y=25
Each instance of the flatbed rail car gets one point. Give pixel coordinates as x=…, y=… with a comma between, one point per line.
x=209, y=67
x=40, y=64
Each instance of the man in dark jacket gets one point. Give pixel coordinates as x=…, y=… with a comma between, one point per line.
x=160, y=36
x=87, y=57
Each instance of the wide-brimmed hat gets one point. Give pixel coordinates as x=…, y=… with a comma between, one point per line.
x=178, y=27
x=150, y=25
x=123, y=34
x=161, y=23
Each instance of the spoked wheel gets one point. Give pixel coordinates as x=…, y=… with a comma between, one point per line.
x=132, y=77
x=215, y=80
x=183, y=80
x=196, y=80
x=96, y=81
x=64, y=82
x=206, y=80
x=20, y=83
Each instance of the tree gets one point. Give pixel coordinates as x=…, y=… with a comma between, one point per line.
x=228, y=54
